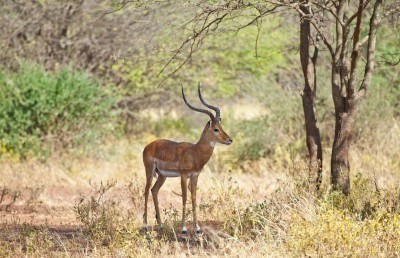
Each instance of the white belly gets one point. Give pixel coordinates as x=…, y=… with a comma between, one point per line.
x=169, y=173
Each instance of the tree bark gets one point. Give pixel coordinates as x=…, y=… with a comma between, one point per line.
x=345, y=96
x=309, y=95
x=340, y=165
x=344, y=113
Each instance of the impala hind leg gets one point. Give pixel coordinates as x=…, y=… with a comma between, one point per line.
x=193, y=189
x=149, y=179
x=184, y=186
x=154, y=191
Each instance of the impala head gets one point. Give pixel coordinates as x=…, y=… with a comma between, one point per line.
x=213, y=130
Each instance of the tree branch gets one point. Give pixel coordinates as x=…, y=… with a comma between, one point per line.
x=369, y=67
x=329, y=10
x=338, y=100
x=320, y=32
x=221, y=11
x=355, y=15
x=197, y=36
x=355, y=53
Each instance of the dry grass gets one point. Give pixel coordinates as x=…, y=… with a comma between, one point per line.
x=70, y=206
x=58, y=213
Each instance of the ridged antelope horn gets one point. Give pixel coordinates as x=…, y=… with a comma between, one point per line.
x=197, y=109
x=217, y=111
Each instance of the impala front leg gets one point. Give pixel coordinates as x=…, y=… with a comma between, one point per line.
x=184, y=179
x=160, y=181
x=193, y=189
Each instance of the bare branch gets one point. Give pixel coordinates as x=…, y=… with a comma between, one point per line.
x=339, y=29
x=355, y=15
x=222, y=12
x=330, y=10
x=320, y=32
x=337, y=72
x=316, y=49
x=262, y=14
x=369, y=67
x=256, y=43
x=197, y=36
x=120, y=5
x=388, y=62
x=392, y=11
x=363, y=41
x=355, y=53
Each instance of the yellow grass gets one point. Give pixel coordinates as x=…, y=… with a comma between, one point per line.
x=243, y=211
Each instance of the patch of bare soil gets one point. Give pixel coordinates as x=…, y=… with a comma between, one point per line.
x=52, y=208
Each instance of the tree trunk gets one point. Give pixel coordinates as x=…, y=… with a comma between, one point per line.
x=340, y=166
x=345, y=96
x=313, y=138
x=345, y=116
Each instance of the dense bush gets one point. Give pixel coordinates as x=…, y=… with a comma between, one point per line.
x=37, y=108
x=277, y=134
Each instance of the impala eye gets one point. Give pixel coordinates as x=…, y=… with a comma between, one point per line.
x=216, y=130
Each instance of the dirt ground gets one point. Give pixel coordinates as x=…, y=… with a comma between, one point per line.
x=53, y=206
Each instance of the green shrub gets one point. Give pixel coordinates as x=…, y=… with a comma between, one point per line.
x=98, y=215
x=277, y=134
x=37, y=108
x=170, y=126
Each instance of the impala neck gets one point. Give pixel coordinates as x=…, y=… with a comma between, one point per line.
x=205, y=144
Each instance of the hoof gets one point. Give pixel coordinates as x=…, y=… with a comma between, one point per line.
x=184, y=230
x=198, y=230
x=144, y=230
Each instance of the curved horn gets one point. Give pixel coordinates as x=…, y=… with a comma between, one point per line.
x=196, y=109
x=217, y=111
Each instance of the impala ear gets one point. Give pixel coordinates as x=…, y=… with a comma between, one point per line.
x=210, y=124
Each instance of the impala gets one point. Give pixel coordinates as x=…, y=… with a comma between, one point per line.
x=166, y=158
